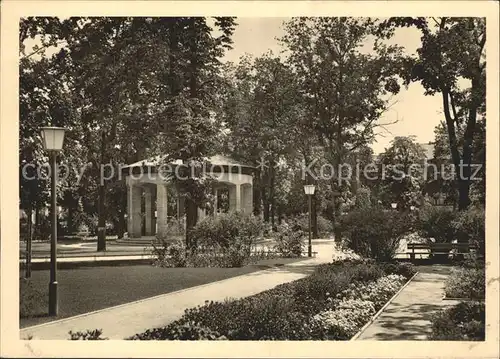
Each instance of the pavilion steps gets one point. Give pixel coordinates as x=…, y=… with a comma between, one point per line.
x=143, y=241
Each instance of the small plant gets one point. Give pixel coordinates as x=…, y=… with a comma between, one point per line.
x=87, y=335
x=290, y=240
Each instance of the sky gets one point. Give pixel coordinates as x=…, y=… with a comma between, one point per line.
x=416, y=113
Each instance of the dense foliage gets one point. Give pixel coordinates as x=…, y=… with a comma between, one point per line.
x=375, y=233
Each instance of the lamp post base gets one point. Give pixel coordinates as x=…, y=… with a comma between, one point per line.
x=53, y=307
x=309, y=251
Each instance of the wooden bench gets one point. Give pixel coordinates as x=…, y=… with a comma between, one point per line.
x=439, y=248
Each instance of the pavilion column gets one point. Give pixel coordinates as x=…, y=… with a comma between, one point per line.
x=149, y=211
x=202, y=213
x=134, y=196
x=161, y=209
x=235, y=198
x=247, y=198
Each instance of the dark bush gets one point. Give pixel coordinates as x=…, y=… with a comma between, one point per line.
x=374, y=233
x=464, y=321
x=225, y=229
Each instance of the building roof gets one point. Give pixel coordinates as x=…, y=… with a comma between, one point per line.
x=428, y=150
x=218, y=160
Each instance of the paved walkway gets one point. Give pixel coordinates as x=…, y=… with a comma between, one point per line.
x=128, y=319
x=407, y=317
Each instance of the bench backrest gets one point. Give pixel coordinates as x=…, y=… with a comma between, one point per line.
x=440, y=246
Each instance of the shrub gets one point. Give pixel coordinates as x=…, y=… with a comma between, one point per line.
x=87, y=335
x=464, y=321
x=349, y=316
x=174, y=331
x=290, y=241
x=438, y=223
x=374, y=233
x=466, y=283
x=224, y=229
x=170, y=255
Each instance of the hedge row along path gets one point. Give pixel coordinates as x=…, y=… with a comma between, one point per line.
x=407, y=317
x=126, y=320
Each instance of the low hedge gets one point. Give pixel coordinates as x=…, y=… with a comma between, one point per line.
x=466, y=283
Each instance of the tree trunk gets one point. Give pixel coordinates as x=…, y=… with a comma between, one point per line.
x=101, y=223
x=272, y=199
x=257, y=199
x=191, y=220
x=266, y=208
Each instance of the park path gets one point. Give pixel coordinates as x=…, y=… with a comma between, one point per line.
x=126, y=320
x=407, y=317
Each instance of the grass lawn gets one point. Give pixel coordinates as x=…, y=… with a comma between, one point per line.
x=87, y=289
x=84, y=290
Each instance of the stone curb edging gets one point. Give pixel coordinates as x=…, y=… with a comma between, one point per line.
x=356, y=336
x=462, y=299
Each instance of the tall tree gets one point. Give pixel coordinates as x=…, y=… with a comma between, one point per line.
x=262, y=113
x=452, y=49
x=346, y=90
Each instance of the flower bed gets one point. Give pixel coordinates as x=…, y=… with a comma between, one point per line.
x=331, y=304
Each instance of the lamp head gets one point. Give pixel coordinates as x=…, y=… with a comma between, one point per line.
x=52, y=138
x=309, y=189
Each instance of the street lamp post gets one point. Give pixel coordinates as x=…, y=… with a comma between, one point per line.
x=309, y=190
x=53, y=138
